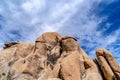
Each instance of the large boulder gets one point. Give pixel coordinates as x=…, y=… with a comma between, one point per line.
x=70, y=63
x=91, y=71
x=44, y=57
x=108, y=64
x=53, y=57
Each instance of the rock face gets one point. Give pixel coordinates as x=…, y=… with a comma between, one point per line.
x=109, y=65
x=53, y=57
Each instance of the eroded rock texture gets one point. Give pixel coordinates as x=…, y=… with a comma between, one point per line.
x=108, y=64
x=53, y=57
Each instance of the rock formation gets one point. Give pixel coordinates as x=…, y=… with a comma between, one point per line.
x=53, y=57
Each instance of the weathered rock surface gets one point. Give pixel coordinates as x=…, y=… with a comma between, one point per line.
x=108, y=64
x=53, y=57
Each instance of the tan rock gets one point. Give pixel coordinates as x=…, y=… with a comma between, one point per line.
x=70, y=68
x=69, y=64
x=108, y=73
x=12, y=52
x=69, y=44
x=112, y=63
x=23, y=77
x=53, y=57
x=108, y=64
x=52, y=79
x=45, y=55
x=10, y=44
x=6, y=55
x=90, y=70
x=24, y=49
x=55, y=72
x=49, y=37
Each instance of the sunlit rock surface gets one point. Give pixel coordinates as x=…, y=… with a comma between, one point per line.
x=53, y=57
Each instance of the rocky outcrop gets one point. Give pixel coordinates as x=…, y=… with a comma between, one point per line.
x=53, y=57
x=109, y=65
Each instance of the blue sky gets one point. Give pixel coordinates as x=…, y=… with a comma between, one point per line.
x=95, y=23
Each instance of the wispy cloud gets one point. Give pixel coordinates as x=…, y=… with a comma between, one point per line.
x=36, y=16
x=25, y=20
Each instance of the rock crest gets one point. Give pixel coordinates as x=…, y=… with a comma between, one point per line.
x=53, y=57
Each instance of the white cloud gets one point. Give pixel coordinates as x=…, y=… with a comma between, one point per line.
x=36, y=17
x=72, y=17
x=33, y=6
x=101, y=41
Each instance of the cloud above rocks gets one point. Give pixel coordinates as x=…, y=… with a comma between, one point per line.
x=25, y=20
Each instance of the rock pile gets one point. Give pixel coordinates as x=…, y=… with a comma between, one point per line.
x=53, y=57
